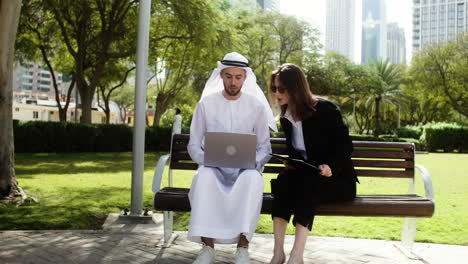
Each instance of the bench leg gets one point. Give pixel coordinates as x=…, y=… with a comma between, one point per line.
x=168, y=228
x=408, y=235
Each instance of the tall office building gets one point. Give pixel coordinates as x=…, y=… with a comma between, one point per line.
x=33, y=82
x=265, y=4
x=268, y=4
x=339, y=31
x=438, y=21
x=374, y=33
x=396, y=44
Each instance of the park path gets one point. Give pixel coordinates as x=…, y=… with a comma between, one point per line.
x=145, y=247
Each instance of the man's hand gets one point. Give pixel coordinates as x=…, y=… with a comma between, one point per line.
x=325, y=170
x=288, y=166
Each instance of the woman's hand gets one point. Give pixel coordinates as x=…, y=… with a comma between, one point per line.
x=325, y=170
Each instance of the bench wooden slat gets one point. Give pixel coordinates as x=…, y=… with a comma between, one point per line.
x=189, y=165
x=388, y=145
x=389, y=154
x=272, y=169
x=383, y=163
x=281, y=150
x=184, y=166
x=181, y=140
x=373, y=152
x=176, y=199
x=180, y=155
x=385, y=173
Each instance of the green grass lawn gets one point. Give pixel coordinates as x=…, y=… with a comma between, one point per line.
x=77, y=191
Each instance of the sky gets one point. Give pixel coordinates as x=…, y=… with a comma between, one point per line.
x=314, y=12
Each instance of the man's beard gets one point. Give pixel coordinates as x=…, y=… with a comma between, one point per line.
x=231, y=93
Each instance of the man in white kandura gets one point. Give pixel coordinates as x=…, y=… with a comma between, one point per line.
x=226, y=202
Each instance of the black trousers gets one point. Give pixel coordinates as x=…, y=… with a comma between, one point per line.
x=298, y=192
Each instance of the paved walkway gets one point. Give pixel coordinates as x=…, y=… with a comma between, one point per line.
x=145, y=247
x=129, y=240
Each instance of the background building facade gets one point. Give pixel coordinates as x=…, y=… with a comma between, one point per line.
x=339, y=29
x=438, y=21
x=374, y=32
x=32, y=81
x=265, y=4
x=34, y=96
x=396, y=44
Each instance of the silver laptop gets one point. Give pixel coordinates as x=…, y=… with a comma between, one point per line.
x=230, y=150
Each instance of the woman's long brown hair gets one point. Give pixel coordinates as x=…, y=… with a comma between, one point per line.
x=301, y=100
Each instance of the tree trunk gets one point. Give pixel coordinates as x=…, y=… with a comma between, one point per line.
x=63, y=114
x=86, y=97
x=107, y=112
x=162, y=102
x=9, y=18
x=377, y=116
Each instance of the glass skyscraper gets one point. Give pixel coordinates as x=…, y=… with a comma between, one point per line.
x=265, y=4
x=339, y=32
x=374, y=33
x=438, y=20
x=396, y=44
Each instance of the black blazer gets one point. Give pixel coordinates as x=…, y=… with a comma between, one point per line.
x=326, y=139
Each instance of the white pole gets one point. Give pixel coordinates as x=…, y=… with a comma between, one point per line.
x=398, y=125
x=140, y=105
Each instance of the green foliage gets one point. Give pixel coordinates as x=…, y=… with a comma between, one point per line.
x=410, y=132
x=385, y=88
x=114, y=138
x=424, y=105
x=446, y=137
x=124, y=97
x=158, y=138
x=42, y=136
x=185, y=38
x=186, y=113
x=441, y=69
x=92, y=34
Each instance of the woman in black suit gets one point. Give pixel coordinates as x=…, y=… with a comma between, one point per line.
x=315, y=132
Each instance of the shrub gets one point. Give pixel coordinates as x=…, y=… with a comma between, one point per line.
x=410, y=132
x=356, y=137
x=114, y=138
x=446, y=137
x=43, y=136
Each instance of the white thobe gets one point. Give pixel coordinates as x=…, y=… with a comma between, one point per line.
x=226, y=202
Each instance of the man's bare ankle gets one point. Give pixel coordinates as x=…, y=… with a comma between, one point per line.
x=243, y=242
x=209, y=242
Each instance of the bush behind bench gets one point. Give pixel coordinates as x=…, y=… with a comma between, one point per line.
x=48, y=136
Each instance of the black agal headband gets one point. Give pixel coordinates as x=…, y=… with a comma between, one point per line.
x=235, y=63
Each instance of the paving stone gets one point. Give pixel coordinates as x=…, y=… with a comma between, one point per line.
x=119, y=247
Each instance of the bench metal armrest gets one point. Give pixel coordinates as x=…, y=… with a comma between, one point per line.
x=426, y=177
x=158, y=173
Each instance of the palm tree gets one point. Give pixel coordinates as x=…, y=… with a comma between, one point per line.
x=385, y=87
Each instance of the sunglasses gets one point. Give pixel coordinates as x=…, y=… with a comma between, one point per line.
x=279, y=89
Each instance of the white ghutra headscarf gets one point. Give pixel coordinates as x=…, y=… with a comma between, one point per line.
x=250, y=86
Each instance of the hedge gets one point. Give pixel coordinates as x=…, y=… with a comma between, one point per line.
x=410, y=132
x=446, y=137
x=45, y=136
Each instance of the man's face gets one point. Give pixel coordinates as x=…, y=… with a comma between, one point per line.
x=233, y=79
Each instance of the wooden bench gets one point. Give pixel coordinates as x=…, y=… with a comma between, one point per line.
x=371, y=159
